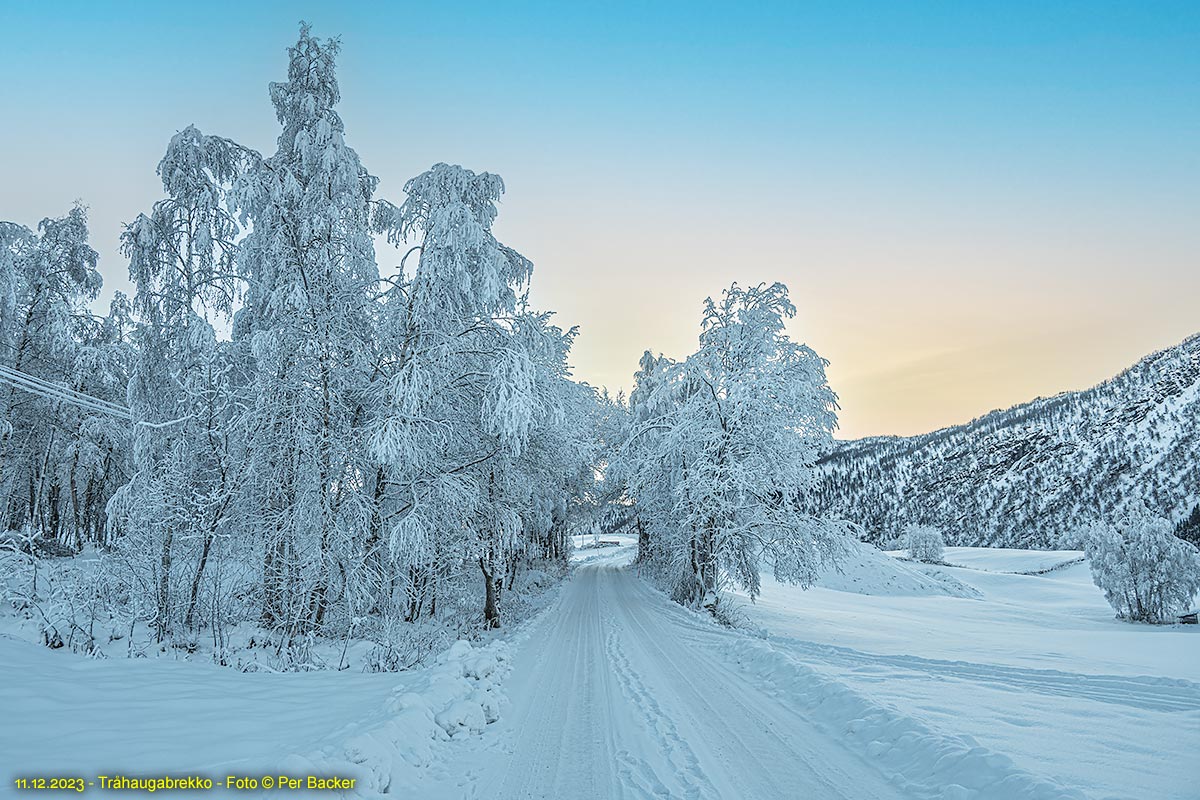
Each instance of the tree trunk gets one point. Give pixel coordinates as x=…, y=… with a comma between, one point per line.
x=273, y=555
x=373, y=563
x=513, y=566
x=706, y=567
x=164, y=588
x=418, y=580
x=643, y=553
x=491, y=614
x=195, y=593
x=53, y=517
x=76, y=541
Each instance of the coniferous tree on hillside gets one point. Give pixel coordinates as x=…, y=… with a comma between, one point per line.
x=1189, y=528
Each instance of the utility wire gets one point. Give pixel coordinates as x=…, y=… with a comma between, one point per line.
x=54, y=391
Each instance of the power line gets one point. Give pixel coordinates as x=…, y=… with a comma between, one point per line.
x=34, y=385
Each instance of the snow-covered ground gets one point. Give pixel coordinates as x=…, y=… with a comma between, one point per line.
x=1035, y=667
x=65, y=715
x=995, y=559
x=890, y=679
x=620, y=693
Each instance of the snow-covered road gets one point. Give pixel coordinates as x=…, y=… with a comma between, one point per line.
x=882, y=689
x=618, y=692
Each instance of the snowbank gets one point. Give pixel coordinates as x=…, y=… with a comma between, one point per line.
x=139, y=716
x=868, y=570
x=456, y=698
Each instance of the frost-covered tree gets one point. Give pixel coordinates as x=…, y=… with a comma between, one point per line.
x=182, y=261
x=46, y=280
x=743, y=422
x=309, y=321
x=642, y=426
x=96, y=461
x=924, y=543
x=613, y=509
x=1146, y=573
x=475, y=397
x=357, y=450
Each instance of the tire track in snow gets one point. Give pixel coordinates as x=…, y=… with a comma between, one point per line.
x=1141, y=692
x=621, y=693
x=693, y=782
x=564, y=745
x=767, y=746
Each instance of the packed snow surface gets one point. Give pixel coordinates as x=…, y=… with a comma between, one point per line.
x=618, y=692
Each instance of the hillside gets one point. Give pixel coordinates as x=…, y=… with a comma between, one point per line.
x=1025, y=475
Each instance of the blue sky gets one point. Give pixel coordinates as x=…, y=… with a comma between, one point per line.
x=972, y=204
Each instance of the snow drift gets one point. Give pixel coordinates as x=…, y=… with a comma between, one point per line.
x=458, y=697
x=868, y=570
x=143, y=715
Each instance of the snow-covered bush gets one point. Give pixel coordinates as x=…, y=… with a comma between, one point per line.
x=924, y=543
x=76, y=603
x=1145, y=571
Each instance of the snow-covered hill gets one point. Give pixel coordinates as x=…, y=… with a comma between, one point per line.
x=868, y=570
x=1026, y=475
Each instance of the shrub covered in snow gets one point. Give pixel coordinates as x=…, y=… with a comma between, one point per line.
x=924, y=543
x=1145, y=571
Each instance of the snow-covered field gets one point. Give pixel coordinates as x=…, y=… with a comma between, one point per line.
x=1036, y=667
x=997, y=559
x=890, y=679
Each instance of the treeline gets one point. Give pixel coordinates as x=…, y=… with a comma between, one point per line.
x=358, y=451
x=361, y=446
x=60, y=461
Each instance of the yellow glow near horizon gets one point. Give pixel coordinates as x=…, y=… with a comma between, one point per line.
x=921, y=332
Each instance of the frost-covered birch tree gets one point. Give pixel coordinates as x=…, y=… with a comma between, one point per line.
x=640, y=451
x=46, y=280
x=739, y=424
x=95, y=462
x=477, y=384
x=182, y=259
x=309, y=320
x=1147, y=573
x=352, y=446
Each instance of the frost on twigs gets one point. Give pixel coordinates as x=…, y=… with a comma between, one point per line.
x=324, y=459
